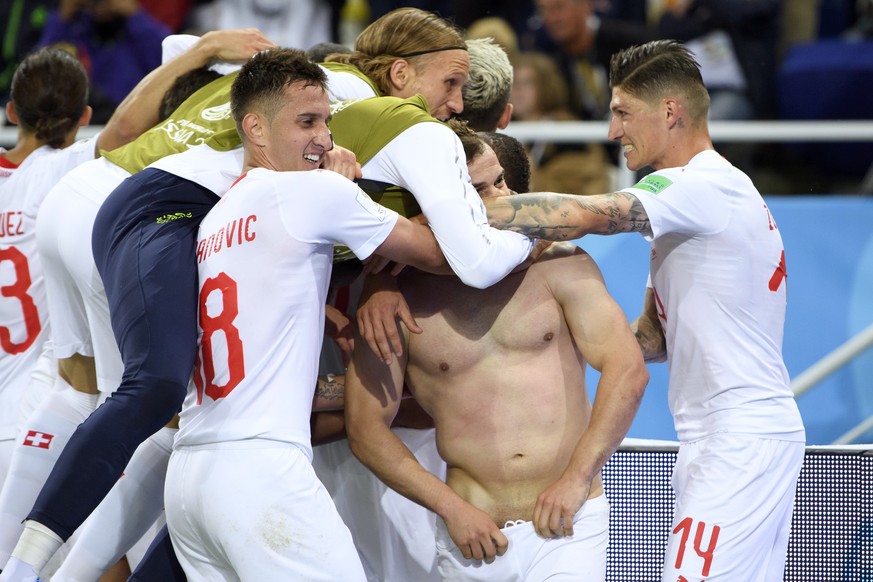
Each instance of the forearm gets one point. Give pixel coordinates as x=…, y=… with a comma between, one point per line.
x=377, y=447
x=138, y=111
x=650, y=337
x=329, y=393
x=615, y=405
x=478, y=254
x=648, y=330
x=561, y=217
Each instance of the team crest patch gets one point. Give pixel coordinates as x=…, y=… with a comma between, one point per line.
x=40, y=440
x=654, y=184
x=217, y=113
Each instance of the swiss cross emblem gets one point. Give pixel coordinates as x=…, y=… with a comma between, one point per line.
x=40, y=440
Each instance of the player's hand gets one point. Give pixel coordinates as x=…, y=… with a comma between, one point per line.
x=475, y=534
x=380, y=307
x=557, y=506
x=342, y=161
x=377, y=263
x=234, y=45
x=340, y=328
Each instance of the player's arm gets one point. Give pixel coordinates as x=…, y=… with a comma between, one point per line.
x=650, y=334
x=138, y=111
x=568, y=216
x=428, y=160
x=604, y=338
x=373, y=395
x=329, y=393
x=413, y=244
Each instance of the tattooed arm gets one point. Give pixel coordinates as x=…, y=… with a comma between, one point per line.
x=560, y=217
x=329, y=393
x=649, y=332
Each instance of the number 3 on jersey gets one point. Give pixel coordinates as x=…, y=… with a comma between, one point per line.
x=204, y=373
x=19, y=290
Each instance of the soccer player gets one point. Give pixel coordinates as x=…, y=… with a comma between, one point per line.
x=714, y=309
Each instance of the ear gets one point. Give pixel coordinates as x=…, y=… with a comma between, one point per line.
x=11, y=114
x=255, y=129
x=672, y=110
x=505, y=117
x=400, y=74
x=85, y=119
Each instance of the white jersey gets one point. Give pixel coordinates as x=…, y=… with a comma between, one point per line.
x=718, y=273
x=479, y=254
x=24, y=325
x=77, y=302
x=264, y=255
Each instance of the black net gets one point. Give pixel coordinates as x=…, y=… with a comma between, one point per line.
x=831, y=532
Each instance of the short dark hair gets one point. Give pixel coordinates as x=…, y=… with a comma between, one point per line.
x=261, y=82
x=652, y=70
x=183, y=87
x=512, y=156
x=470, y=140
x=49, y=92
x=319, y=52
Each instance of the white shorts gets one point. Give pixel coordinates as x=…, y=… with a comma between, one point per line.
x=255, y=511
x=734, y=499
x=529, y=557
x=42, y=382
x=78, y=309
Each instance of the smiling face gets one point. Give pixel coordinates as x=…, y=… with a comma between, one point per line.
x=438, y=76
x=641, y=128
x=297, y=136
x=487, y=175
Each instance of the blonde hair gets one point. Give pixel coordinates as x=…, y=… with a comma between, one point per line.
x=489, y=84
x=405, y=33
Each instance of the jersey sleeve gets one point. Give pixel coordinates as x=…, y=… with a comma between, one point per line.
x=678, y=203
x=428, y=160
x=337, y=211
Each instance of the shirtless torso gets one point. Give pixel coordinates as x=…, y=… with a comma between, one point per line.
x=499, y=372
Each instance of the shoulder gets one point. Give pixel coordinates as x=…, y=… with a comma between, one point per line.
x=563, y=260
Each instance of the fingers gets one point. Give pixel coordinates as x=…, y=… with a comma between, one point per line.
x=236, y=44
x=501, y=543
x=397, y=269
x=408, y=320
x=487, y=548
x=567, y=523
x=342, y=161
x=375, y=264
x=374, y=334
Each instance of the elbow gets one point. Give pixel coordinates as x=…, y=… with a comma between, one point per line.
x=478, y=278
x=639, y=379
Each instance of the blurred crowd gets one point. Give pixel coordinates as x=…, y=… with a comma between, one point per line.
x=759, y=58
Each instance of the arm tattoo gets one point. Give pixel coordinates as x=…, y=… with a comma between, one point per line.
x=330, y=388
x=560, y=217
x=651, y=341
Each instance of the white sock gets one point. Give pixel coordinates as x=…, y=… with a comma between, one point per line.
x=17, y=571
x=124, y=516
x=36, y=545
x=44, y=436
